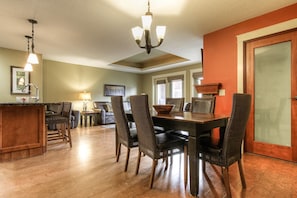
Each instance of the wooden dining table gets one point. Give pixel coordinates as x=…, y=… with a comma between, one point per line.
x=196, y=124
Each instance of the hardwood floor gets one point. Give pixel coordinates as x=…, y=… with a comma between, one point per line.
x=89, y=169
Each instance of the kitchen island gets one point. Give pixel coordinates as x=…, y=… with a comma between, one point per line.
x=22, y=130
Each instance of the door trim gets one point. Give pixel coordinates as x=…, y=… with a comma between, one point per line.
x=242, y=38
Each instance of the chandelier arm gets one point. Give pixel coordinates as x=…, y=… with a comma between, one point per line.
x=148, y=44
x=139, y=45
x=160, y=42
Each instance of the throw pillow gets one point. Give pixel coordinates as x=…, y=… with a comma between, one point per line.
x=109, y=108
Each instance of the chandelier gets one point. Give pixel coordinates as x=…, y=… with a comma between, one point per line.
x=32, y=58
x=146, y=26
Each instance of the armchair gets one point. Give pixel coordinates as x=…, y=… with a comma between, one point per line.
x=105, y=113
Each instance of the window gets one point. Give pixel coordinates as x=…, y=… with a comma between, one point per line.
x=176, y=90
x=161, y=91
x=197, y=80
x=169, y=86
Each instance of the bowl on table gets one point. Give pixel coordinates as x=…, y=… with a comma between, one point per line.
x=163, y=109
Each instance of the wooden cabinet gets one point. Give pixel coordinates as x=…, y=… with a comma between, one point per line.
x=22, y=131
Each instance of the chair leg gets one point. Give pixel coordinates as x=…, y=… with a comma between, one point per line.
x=166, y=160
x=185, y=166
x=241, y=174
x=138, y=162
x=118, y=151
x=203, y=166
x=69, y=135
x=226, y=181
x=153, y=172
x=127, y=159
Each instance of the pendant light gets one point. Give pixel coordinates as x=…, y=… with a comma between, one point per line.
x=32, y=58
x=28, y=66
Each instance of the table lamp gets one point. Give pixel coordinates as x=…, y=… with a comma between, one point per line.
x=86, y=97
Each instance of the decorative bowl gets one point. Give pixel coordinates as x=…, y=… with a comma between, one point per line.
x=163, y=109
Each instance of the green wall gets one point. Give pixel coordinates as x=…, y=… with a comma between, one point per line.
x=9, y=58
x=60, y=81
x=63, y=81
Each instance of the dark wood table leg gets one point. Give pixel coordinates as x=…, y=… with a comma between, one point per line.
x=86, y=120
x=194, y=165
x=91, y=120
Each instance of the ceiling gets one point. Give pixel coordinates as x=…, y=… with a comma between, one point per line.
x=98, y=32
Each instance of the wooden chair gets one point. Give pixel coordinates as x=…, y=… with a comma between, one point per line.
x=177, y=102
x=63, y=119
x=228, y=150
x=155, y=146
x=124, y=134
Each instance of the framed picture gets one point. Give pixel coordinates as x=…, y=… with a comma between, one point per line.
x=19, y=80
x=114, y=90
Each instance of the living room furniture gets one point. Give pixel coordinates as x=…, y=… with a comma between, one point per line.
x=64, y=120
x=56, y=109
x=105, y=113
x=84, y=115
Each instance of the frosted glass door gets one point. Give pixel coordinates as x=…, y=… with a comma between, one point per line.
x=272, y=116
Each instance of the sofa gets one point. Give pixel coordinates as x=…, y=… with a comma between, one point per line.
x=56, y=108
x=105, y=114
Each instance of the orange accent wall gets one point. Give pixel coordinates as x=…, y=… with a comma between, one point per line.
x=220, y=52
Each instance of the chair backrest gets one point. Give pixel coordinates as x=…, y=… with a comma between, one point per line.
x=67, y=109
x=121, y=120
x=203, y=105
x=236, y=127
x=144, y=124
x=178, y=102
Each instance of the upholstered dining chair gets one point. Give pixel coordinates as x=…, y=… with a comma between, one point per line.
x=177, y=102
x=63, y=119
x=228, y=150
x=124, y=134
x=154, y=145
x=204, y=104
x=200, y=105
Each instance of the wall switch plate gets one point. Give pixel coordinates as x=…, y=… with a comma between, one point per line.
x=222, y=92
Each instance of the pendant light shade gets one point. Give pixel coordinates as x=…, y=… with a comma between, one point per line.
x=28, y=67
x=32, y=58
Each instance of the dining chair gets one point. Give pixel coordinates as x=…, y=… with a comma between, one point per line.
x=64, y=120
x=177, y=102
x=124, y=134
x=228, y=149
x=154, y=145
x=200, y=105
x=204, y=104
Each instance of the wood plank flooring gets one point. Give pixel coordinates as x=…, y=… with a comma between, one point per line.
x=89, y=169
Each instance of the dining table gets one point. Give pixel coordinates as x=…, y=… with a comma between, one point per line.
x=196, y=124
